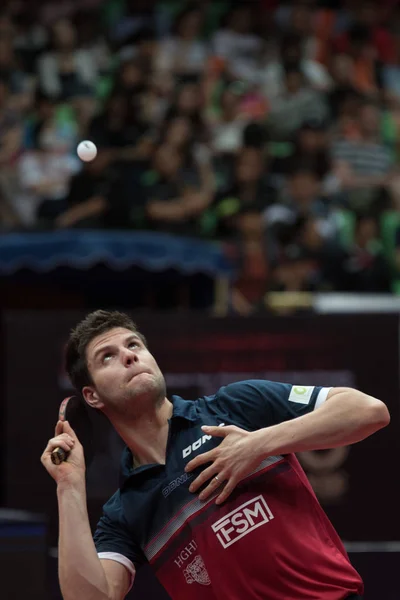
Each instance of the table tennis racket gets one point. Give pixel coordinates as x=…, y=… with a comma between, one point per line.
x=73, y=409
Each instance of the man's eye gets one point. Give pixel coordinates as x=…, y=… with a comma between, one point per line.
x=107, y=356
x=133, y=344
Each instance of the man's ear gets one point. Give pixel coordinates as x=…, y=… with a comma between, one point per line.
x=91, y=397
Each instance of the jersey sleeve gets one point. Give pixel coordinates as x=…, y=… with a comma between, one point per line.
x=254, y=403
x=113, y=540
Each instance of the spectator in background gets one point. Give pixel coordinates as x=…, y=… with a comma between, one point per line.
x=173, y=200
x=20, y=83
x=44, y=175
x=301, y=199
x=120, y=130
x=131, y=18
x=9, y=219
x=184, y=53
x=367, y=17
x=92, y=40
x=345, y=105
x=298, y=18
x=50, y=11
x=310, y=147
x=30, y=37
x=322, y=256
x=10, y=145
x=356, y=66
x=131, y=81
x=291, y=53
x=10, y=126
x=178, y=133
x=87, y=203
x=189, y=102
x=58, y=125
x=238, y=217
x=228, y=122
x=297, y=103
x=306, y=259
x=250, y=192
x=238, y=45
x=391, y=74
x=366, y=267
x=364, y=166
x=142, y=46
x=66, y=71
x=253, y=264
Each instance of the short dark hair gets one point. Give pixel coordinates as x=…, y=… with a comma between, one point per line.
x=94, y=324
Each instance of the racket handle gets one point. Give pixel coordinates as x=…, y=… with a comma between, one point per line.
x=58, y=456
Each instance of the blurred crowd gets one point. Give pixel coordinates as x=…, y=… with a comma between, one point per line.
x=273, y=127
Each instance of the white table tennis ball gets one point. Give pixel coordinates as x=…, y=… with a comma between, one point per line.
x=87, y=151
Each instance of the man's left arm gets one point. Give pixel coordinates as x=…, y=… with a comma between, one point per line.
x=346, y=417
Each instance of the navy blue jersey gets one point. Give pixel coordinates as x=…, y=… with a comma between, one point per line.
x=269, y=540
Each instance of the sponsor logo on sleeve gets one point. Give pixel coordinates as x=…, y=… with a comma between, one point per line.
x=301, y=394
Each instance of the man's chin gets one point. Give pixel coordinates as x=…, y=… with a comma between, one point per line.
x=144, y=390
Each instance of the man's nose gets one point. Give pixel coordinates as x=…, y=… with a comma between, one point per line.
x=129, y=357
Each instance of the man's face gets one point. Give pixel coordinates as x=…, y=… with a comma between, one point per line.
x=126, y=377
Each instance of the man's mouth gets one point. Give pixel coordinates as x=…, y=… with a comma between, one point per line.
x=136, y=374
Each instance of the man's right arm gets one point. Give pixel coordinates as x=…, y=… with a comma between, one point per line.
x=81, y=573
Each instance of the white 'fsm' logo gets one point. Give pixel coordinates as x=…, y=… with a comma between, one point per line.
x=241, y=521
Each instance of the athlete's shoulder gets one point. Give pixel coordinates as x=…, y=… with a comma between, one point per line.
x=113, y=505
x=240, y=402
x=250, y=387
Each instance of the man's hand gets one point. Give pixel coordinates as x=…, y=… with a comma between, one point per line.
x=238, y=455
x=72, y=469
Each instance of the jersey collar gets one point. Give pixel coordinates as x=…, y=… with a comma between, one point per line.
x=182, y=409
x=186, y=409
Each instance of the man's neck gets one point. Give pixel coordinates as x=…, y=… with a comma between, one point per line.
x=146, y=436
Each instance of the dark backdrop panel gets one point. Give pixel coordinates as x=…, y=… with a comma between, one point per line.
x=197, y=354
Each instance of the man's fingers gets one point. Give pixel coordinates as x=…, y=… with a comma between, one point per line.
x=228, y=489
x=213, y=486
x=210, y=489
x=65, y=427
x=216, y=430
x=68, y=429
x=63, y=441
x=201, y=459
x=211, y=471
